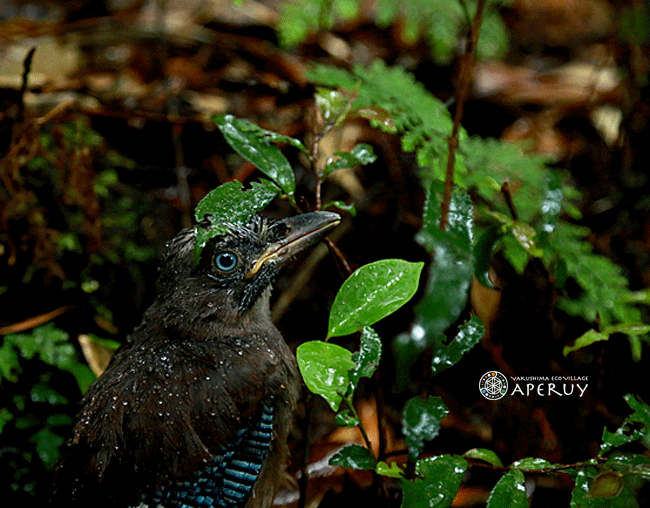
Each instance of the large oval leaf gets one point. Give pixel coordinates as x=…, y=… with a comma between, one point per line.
x=324, y=367
x=371, y=293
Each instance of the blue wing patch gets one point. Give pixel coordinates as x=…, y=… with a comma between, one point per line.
x=228, y=482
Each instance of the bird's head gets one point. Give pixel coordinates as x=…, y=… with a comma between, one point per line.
x=235, y=271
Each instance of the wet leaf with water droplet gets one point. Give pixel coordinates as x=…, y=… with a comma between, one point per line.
x=355, y=457
x=551, y=206
x=421, y=422
x=438, y=482
x=229, y=205
x=360, y=154
x=375, y=114
x=391, y=470
x=601, y=490
x=258, y=147
x=509, y=492
x=451, y=272
x=371, y=293
x=324, y=367
x=368, y=356
x=485, y=455
x=467, y=337
x=333, y=104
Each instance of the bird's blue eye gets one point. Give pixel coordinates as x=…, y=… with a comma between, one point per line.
x=225, y=261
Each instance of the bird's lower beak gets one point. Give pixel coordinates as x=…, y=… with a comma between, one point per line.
x=303, y=231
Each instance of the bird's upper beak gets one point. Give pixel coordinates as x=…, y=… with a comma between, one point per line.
x=303, y=231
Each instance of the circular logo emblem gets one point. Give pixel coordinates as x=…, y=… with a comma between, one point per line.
x=493, y=385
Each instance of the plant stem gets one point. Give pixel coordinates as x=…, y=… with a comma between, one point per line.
x=360, y=425
x=464, y=82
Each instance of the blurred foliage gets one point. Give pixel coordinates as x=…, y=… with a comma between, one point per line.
x=64, y=218
x=441, y=23
x=52, y=347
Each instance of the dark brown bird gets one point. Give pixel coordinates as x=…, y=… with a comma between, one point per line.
x=195, y=408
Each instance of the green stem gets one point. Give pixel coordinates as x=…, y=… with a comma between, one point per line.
x=350, y=404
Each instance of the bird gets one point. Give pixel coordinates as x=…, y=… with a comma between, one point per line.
x=195, y=408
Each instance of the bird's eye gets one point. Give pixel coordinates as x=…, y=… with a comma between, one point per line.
x=226, y=261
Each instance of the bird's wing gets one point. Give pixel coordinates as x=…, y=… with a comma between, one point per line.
x=228, y=481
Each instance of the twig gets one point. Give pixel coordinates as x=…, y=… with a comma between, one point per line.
x=507, y=195
x=465, y=79
x=55, y=111
x=34, y=321
x=318, y=135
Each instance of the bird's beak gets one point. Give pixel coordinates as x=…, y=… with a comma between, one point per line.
x=303, y=231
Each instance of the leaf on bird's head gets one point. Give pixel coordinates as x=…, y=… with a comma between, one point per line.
x=229, y=205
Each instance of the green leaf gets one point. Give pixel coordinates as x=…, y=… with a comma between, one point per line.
x=639, y=470
x=360, y=154
x=51, y=345
x=587, y=338
x=421, y=422
x=509, y=492
x=391, y=470
x=229, y=205
x=605, y=292
x=627, y=328
x=525, y=236
x=641, y=410
x=5, y=417
x=342, y=205
x=483, y=252
x=627, y=459
x=345, y=418
x=624, y=434
x=366, y=360
x=451, y=273
x=551, y=205
x=257, y=146
x=48, y=445
x=407, y=348
x=615, y=439
x=333, y=105
x=324, y=367
x=584, y=497
x=371, y=293
x=42, y=392
x=606, y=484
x=355, y=457
x=438, y=484
x=485, y=455
x=9, y=363
x=532, y=464
x=376, y=115
x=469, y=334
x=630, y=464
